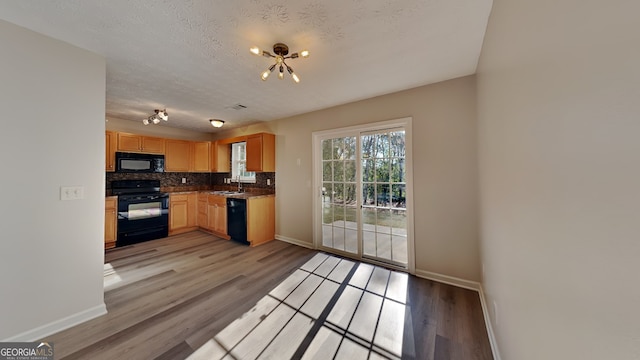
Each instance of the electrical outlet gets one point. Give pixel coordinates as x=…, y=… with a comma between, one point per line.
x=184, y=180
x=268, y=182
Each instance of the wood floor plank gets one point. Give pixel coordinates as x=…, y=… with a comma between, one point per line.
x=174, y=295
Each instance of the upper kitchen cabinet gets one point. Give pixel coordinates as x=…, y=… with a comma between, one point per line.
x=139, y=143
x=201, y=157
x=177, y=155
x=110, y=150
x=261, y=152
x=220, y=158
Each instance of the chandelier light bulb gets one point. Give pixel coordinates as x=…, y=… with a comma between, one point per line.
x=156, y=120
x=255, y=50
x=163, y=114
x=304, y=53
x=265, y=75
x=295, y=77
x=145, y=121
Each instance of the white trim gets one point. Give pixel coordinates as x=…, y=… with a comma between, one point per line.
x=317, y=136
x=492, y=337
x=59, y=325
x=471, y=285
x=450, y=280
x=295, y=241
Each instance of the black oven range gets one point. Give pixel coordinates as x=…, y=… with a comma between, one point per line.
x=143, y=211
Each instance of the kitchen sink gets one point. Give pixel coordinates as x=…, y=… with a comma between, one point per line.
x=221, y=192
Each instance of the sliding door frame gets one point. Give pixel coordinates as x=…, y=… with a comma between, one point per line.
x=317, y=137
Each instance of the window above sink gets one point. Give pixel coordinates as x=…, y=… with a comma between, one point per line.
x=239, y=164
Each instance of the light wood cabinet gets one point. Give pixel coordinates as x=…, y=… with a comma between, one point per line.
x=201, y=156
x=139, y=143
x=203, y=217
x=261, y=152
x=177, y=155
x=110, y=221
x=217, y=213
x=261, y=219
x=182, y=212
x=110, y=150
x=192, y=210
x=220, y=157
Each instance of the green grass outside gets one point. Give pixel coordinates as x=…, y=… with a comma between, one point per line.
x=393, y=218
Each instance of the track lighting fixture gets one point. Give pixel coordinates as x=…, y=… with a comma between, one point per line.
x=155, y=118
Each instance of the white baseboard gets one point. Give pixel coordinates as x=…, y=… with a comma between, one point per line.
x=471, y=285
x=59, y=325
x=451, y=280
x=487, y=321
x=295, y=241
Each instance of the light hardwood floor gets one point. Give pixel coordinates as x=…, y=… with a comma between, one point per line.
x=186, y=295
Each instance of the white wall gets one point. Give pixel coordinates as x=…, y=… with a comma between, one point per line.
x=52, y=99
x=445, y=169
x=559, y=142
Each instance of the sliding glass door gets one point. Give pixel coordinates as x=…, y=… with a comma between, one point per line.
x=339, y=194
x=361, y=209
x=384, y=212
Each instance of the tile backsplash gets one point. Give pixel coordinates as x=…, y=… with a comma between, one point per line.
x=166, y=179
x=174, y=179
x=217, y=179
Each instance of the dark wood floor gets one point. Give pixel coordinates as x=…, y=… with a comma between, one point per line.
x=166, y=298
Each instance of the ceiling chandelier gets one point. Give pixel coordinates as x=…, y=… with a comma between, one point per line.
x=216, y=123
x=281, y=52
x=155, y=118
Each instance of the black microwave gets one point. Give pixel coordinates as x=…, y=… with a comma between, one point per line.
x=139, y=163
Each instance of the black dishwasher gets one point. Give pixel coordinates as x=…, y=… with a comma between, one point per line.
x=237, y=220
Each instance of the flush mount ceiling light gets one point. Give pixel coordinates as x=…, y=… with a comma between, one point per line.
x=155, y=118
x=281, y=52
x=216, y=123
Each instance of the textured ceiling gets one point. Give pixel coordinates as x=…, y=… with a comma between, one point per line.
x=191, y=56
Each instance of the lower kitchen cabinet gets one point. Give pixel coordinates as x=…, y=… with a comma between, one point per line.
x=217, y=213
x=212, y=216
x=110, y=221
x=182, y=212
x=261, y=219
x=203, y=218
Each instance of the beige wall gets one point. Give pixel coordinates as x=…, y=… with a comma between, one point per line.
x=445, y=169
x=559, y=145
x=51, y=135
x=137, y=127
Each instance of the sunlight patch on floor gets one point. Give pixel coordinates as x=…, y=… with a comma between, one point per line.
x=325, y=308
x=111, y=276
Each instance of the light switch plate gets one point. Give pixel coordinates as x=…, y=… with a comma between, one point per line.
x=71, y=192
